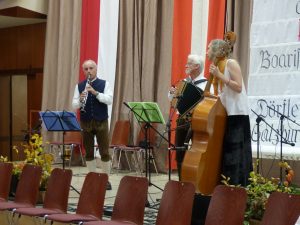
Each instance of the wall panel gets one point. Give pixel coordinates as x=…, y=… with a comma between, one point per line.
x=31, y=45
x=22, y=47
x=8, y=48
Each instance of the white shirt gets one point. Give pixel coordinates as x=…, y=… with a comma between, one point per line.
x=202, y=84
x=106, y=97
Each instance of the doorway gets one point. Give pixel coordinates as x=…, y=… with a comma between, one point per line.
x=14, y=114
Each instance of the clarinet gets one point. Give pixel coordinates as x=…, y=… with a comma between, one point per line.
x=83, y=101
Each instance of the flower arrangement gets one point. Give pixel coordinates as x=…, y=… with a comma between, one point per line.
x=259, y=190
x=35, y=155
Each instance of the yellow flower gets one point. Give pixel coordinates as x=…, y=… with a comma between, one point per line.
x=34, y=154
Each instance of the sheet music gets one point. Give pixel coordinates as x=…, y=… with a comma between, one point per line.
x=60, y=120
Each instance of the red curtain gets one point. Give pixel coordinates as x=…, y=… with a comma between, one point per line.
x=89, y=43
x=89, y=31
x=181, y=48
x=216, y=24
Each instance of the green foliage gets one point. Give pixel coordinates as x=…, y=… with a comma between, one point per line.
x=259, y=190
x=35, y=155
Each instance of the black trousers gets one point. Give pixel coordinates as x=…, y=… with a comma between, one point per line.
x=183, y=135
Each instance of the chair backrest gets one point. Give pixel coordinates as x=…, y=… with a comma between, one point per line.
x=91, y=199
x=129, y=208
x=151, y=134
x=176, y=204
x=227, y=206
x=281, y=209
x=5, y=179
x=73, y=137
x=121, y=133
x=28, y=185
x=58, y=187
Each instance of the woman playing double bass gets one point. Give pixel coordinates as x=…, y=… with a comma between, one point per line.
x=237, y=154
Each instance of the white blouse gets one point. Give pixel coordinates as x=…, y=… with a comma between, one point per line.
x=235, y=103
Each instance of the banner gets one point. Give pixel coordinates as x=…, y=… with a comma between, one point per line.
x=274, y=78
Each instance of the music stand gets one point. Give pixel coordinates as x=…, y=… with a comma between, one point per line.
x=147, y=112
x=60, y=121
x=280, y=134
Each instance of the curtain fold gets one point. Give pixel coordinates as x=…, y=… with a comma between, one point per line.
x=144, y=54
x=239, y=14
x=61, y=64
x=143, y=68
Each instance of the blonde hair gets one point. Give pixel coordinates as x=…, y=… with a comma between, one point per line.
x=220, y=48
x=223, y=48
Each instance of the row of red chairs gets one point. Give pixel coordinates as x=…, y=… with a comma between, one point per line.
x=227, y=205
x=129, y=205
x=91, y=200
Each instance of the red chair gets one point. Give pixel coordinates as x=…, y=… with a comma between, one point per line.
x=227, y=206
x=281, y=209
x=27, y=189
x=176, y=204
x=91, y=201
x=5, y=179
x=128, y=209
x=120, y=138
x=72, y=139
x=56, y=197
x=138, y=149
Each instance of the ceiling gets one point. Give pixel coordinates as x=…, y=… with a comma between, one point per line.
x=20, y=12
x=9, y=21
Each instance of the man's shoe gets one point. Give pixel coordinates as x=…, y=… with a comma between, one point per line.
x=108, y=186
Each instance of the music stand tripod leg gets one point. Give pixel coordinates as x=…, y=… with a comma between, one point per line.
x=60, y=121
x=63, y=163
x=146, y=112
x=148, y=156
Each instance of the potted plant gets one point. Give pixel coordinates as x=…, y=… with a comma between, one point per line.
x=259, y=190
x=35, y=155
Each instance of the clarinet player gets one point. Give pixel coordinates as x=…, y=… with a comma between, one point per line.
x=92, y=96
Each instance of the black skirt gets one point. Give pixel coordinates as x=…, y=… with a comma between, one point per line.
x=237, y=152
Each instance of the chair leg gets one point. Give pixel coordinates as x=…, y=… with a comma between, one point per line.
x=71, y=154
x=153, y=160
x=81, y=155
x=55, y=149
x=112, y=159
x=127, y=160
x=136, y=162
x=120, y=153
x=140, y=160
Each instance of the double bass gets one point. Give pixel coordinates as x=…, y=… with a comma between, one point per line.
x=202, y=162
